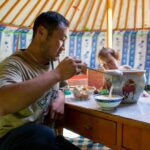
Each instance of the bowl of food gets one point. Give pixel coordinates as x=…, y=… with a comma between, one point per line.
x=107, y=102
x=83, y=92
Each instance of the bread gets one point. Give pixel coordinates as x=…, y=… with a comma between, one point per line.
x=82, y=92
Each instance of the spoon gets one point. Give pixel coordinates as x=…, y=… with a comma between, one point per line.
x=110, y=72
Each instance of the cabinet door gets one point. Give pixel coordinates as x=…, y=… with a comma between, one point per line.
x=94, y=128
x=136, y=138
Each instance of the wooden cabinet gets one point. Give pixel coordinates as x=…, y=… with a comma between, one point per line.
x=136, y=138
x=127, y=128
x=97, y=129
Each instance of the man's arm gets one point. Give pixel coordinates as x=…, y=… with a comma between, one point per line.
x=17, y=96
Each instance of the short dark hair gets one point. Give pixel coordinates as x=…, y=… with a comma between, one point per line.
x=50, y=20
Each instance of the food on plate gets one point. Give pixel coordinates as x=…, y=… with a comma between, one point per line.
x=83, y=92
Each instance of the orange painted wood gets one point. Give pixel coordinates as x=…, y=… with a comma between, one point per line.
x=127, y=14
x=5, y=2
x=103, y=18
x=135, y=13
x=60, y=6
x=69, y=6
x=114, y=8
x=89, y=14
x=27, y=2
x=95, y=18
x=10, y=10
x=32, y=10
x=51, y=8
x=143, y=14
x=119, y=16
x=136, y=138
x=94, y=128
x=109, y=24
x=75, y=11
x=41, y=10
x=129, y=127
x=98, y=79
x=79, y=20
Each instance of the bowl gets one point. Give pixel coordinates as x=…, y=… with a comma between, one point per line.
x=108, y=103
x=83, y=92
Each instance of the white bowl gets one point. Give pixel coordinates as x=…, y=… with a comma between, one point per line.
x=108, y=103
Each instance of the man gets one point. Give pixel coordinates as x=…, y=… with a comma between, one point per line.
x=29, y=86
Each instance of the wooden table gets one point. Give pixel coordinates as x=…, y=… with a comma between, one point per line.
x=128, y=127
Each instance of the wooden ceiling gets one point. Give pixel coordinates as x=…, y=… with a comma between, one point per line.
x=84, y=15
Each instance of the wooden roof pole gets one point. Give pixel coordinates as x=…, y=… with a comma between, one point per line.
x=79, y=20
x=10, y=10
x=143, y=14
x=109, y=24
x=99, y=6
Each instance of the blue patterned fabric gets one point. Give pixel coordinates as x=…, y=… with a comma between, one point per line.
x=79, y=45
x=134, y=46
x=86, y=144
x=147, y=56
x=72, y=44
x=94, y=48
x=125, y=48
x=132, y=49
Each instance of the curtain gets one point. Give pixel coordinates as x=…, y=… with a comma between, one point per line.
x=133, y=46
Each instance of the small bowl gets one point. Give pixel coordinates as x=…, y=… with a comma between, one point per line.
x=108, y=103
x=83, y=92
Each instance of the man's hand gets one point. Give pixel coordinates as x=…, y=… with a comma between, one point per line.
x=57, y=106
x=69, y=67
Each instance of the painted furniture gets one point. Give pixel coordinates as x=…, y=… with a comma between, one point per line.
x=128, y=127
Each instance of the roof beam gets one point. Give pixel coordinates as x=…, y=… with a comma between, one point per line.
x=83, y=10
x=104, y=14
x=68, y=8
x=119, y=15
x=143, y=14
x=75, y=11
x=95, y=18
x=109, y=24
x=29, y=14
x=127, y=14
x=10, y=10
x=89, y=14
x=51, y=8
x=40, y=11
x=20, y=12
x=135, y=13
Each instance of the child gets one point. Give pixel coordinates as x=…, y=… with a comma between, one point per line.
x=109, y=58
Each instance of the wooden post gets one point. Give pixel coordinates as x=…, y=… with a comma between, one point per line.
x=109, y=24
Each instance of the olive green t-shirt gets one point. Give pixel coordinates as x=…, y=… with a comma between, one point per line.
x=18, y=68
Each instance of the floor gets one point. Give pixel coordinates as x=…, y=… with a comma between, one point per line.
x=82, y=142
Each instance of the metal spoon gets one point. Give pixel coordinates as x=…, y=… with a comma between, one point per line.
x=110, y=72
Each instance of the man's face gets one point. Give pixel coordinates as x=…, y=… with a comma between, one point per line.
x=54, y=44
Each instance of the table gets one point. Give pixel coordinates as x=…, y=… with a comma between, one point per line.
x=127, y=127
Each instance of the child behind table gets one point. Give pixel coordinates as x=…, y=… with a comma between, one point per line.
x=109, y=59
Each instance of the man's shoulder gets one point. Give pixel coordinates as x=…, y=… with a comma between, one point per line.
x=14, y=57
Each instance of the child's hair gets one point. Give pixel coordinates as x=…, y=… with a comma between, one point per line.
x=104, y=51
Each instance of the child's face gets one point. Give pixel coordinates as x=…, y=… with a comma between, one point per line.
x=109, y=62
